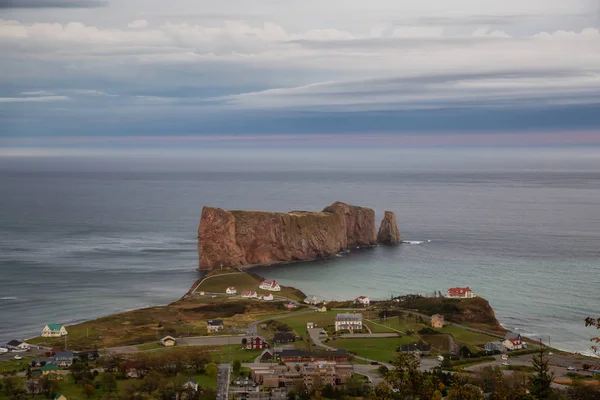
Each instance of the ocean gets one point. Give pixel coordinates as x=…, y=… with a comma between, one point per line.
x=83, y=237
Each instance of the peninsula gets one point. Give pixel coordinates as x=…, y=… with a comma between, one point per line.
x=233, y=239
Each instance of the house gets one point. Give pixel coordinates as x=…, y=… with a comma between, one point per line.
x=63, y=359
x=231, y=290
x=214, y=325
x=513, y=344
x=54, y=330
x=266, y=356
x=310, y=325
x=131, y=369
x=90, y=355
x=415, y=348
x=437, y=321
x=40, y=362
x=311, y=300
x=202, y=293
x=17, y=345
x=284, y=337
x=363, y=300
x=191, y=384
x=267, y=296
x=348, y=322
x=60, y=397
x=270, y=285
x=322, y=309
x=493, y=347
x=168, y=341
x=49, y=368
x=249, y=294
x=460, y=293
x=290, y=306
x=257, y=343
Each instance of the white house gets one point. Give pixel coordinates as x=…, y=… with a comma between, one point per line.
x=270, y=285
x=312, y=300
x=513, y=344
x=191, y=384
x=267, y=296
x=54, y=330
x=17, y=345
x=363, y=300
x=348, y=321
x=249, y=294
x=231, y=290
x=460, y=293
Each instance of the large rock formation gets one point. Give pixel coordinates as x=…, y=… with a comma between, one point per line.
x=237, y=238
x=388, y=230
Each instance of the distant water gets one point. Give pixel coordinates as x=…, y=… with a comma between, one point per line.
x=82, y=239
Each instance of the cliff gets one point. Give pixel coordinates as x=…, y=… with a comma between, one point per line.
x=388, y=230
x=237, y=238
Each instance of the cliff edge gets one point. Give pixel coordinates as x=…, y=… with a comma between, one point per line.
x=388, y=230
x=228, y=239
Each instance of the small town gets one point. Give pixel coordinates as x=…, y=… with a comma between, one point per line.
x=303, y=346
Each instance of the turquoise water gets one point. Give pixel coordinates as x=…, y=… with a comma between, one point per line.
x=86, y=238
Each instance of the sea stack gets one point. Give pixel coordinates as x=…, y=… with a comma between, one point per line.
x=238, y=238
x=388, y=230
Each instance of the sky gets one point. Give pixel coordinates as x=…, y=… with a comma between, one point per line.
x=389, y=73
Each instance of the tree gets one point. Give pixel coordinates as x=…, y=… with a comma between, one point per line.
x=88, y=390
x=109, y=382
x=211, y=370
x=81, y=373
x=595, y=323
x=237, y=366
x=197, y=358
x=541, y=381
x=244, y=341
x=461, y=389
x=49, y=387
x=406, y=379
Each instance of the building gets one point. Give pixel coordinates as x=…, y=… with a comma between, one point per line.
x=54, y=330
x=257, y=343
x=17, y=345
x=270, y=285
x=310, y=325
x=322, y=309
x=131, y=368
x=493, y=347
x=513, y=344
x=214, y=325
x=63, y=359
x=266, y=356
x=249, y=294
x=284, y=337
x=40, y=362
x=282, y=376
x=290, y=306
x=460, y=293
x=348, y=322
x=168, y=341
x=90, y=355
x=60, y=397
x=424, y=349
x=311, y=300
x=297, y=356
x=231, y=290
x=437, y=321
x=267, y=296
x=191, y=384
x=49, y=369
x=363, y=301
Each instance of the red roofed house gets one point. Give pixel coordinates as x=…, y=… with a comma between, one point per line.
x=249, y=294
x=363, y=300
x=257, y=343
x=273, y=286
x=460, y=293
x=231, y=290
x=513, y=344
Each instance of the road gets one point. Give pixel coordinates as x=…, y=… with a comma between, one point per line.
x=223, y=381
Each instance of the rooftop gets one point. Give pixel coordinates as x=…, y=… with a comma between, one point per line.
x=348, y=317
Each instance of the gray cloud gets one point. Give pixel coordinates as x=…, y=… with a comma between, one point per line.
x=52, y=3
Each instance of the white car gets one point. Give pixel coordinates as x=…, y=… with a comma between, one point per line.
x=3, y=350
x=569, y=368
x=506, y=363
x=551, y=354
x=18, y=357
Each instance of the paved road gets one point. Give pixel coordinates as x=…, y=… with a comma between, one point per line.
x=223, y=381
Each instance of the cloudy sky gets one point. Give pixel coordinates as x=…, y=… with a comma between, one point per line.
x=384, y=72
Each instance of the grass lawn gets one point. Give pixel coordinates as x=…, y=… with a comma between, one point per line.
x=234, y=352
x=380, y=349
x=150, y=346
x=16, y=365
x=298, y=322
x=469, y=338
x=242, y=282
x=205, y=381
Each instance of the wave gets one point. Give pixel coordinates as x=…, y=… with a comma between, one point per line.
x=8, y=298
x=416, y=241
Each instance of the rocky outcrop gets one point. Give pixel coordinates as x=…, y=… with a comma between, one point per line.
x=229, y=239
x=388, y=230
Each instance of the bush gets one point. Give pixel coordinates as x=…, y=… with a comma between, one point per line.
x=383, y=370
x=428, y=331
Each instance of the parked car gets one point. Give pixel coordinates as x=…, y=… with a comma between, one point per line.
x=570, y=368
x=18, y=357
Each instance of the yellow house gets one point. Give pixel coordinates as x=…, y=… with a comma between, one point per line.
x=54, y=330
x=168, y=341
x=49, y=369
x=322, y=309
x=437, y=321
x=60, y=397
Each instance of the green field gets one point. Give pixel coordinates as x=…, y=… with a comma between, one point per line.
x=468, y=338
x=242, y=282
x=380, y=349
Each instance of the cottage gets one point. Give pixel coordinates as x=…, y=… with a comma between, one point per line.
x=266, y=356
x=270, y=285
x=322, y=309
x=257, y=343
x=249, y=294
x=290, y=306
x=60, y=397
x=131, y=368
x=168, y=341
x=63, y=359
x=311, y=300
x=363, y=301
x=191, y=384
x=17, y=345
x=214, y=325
x=437, y=321
x=513, y=344
x=49, y=368
x=348, y=321
x=54, y=330
x=267, y=296
x=284, y=337
x=231, y=290
x=460, y=293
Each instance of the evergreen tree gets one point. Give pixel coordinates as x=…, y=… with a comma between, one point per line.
x=541, y=381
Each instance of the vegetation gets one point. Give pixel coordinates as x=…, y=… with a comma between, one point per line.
x=244, y=281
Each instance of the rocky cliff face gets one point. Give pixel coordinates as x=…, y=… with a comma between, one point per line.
x=359, y=222
x=388, y=230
